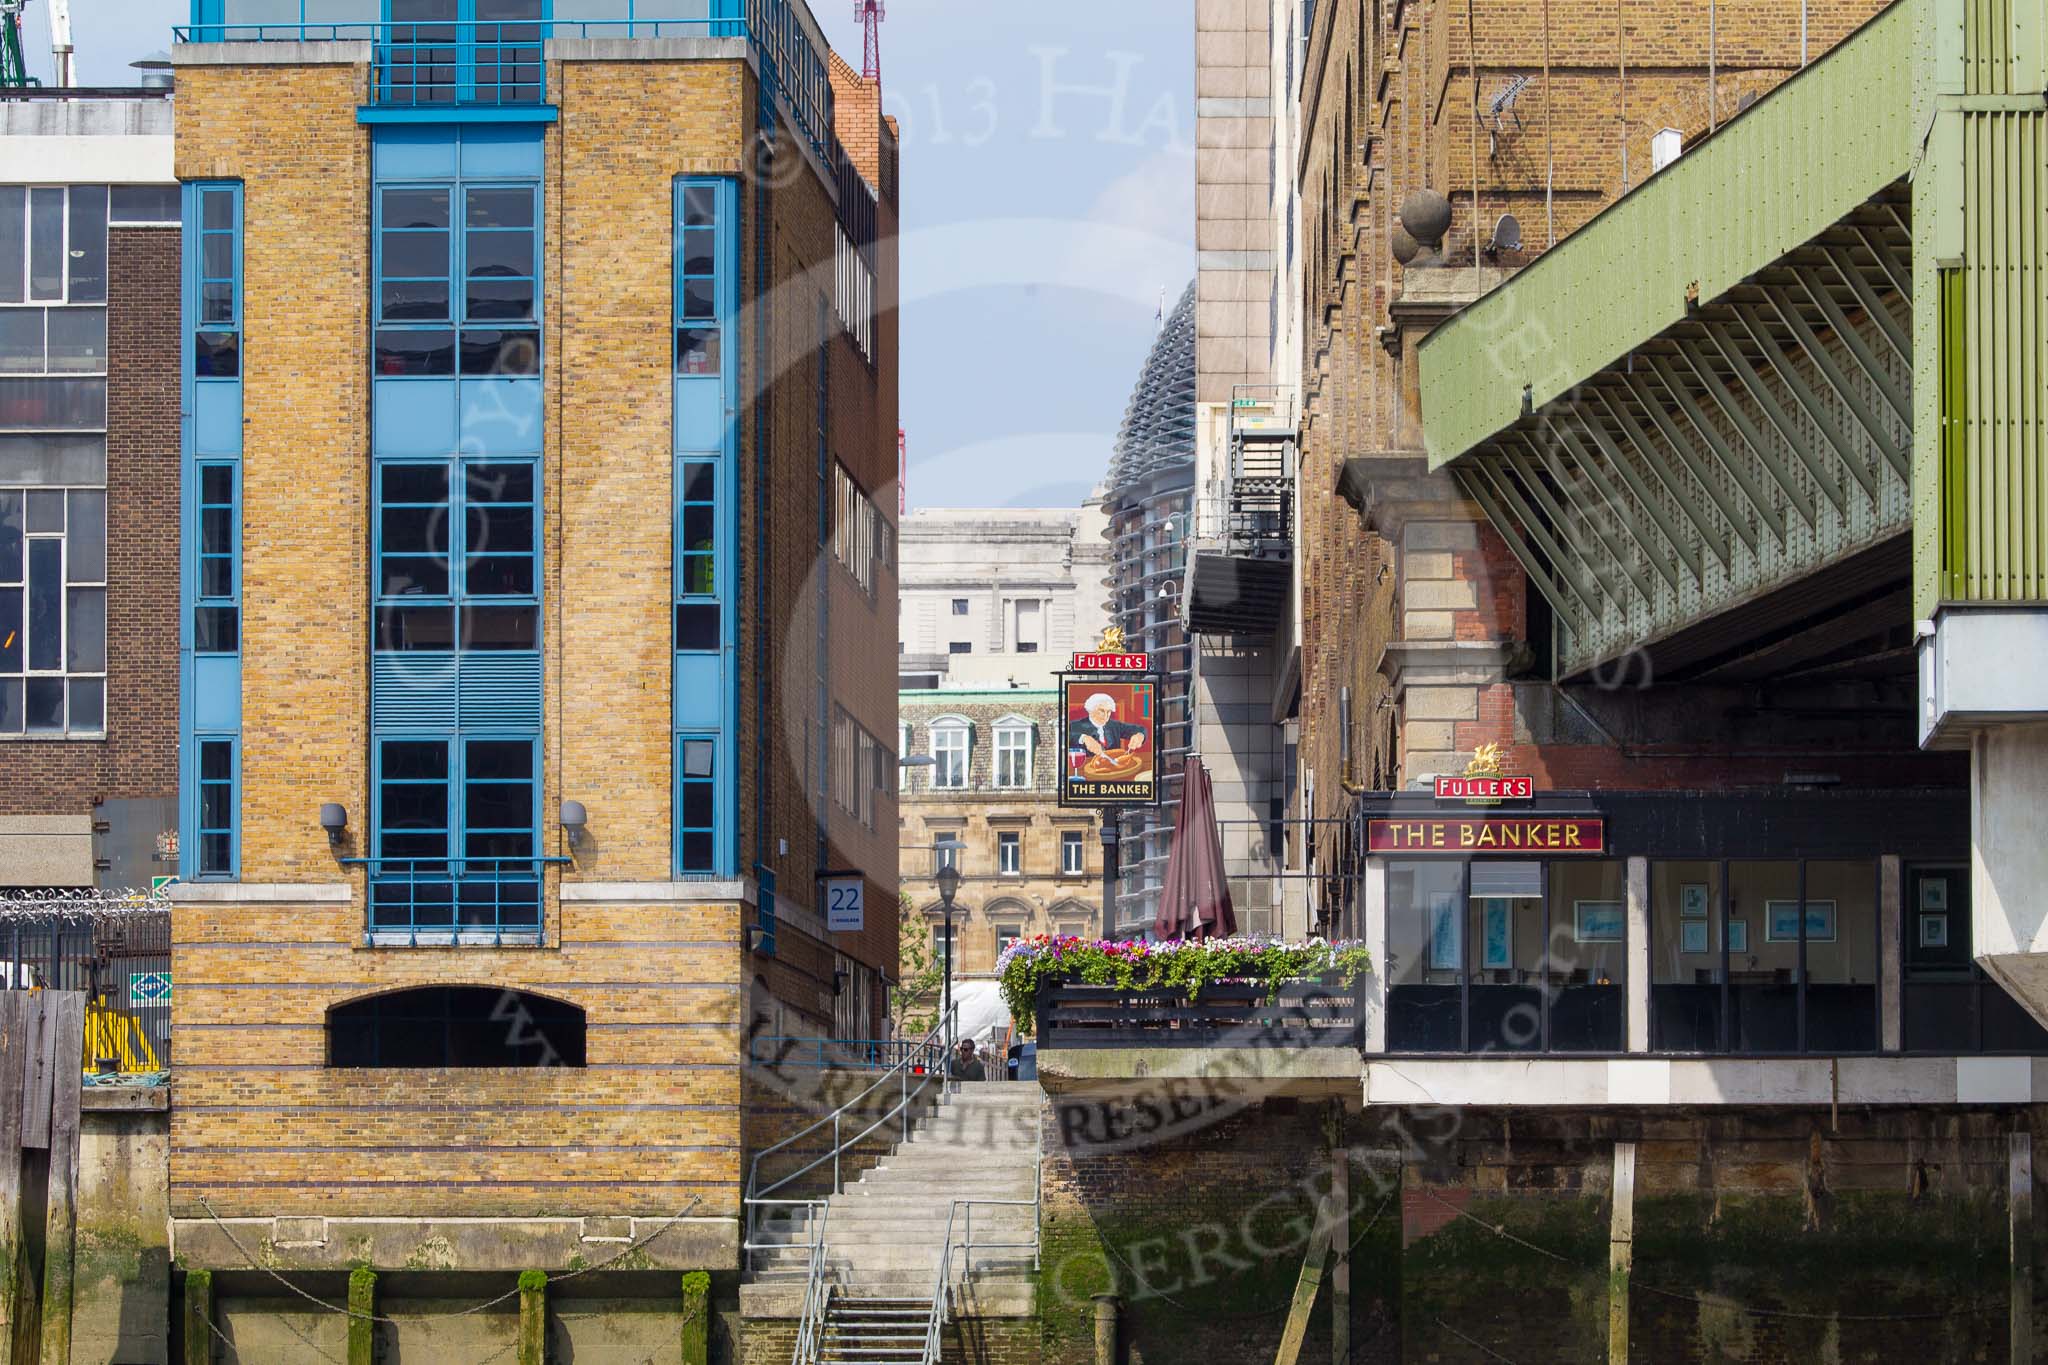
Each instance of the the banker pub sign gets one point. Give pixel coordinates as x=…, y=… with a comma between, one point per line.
x=1488, y=834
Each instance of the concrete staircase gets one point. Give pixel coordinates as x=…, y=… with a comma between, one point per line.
x=883, y=1232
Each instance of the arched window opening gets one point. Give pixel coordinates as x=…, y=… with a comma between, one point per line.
x=455, y=1026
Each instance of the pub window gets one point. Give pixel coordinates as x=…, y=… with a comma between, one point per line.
x=1949, y=1005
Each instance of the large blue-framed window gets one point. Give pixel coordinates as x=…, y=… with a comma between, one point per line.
x=455, y=622
x=457, y=546
x=706, y=366
x=457, y=822
x=462, y=52
x=210, y=629
x=458, y=279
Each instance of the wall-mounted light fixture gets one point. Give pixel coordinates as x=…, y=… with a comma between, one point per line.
x=333, y=819
x=575, y=819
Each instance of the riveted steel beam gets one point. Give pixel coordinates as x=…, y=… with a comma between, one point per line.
x=1710, y=384
x=1595, y=475
x=1681, y=492
x=1592, y=513
x=1518, y=511
x=1774, y=411
x=1602, y=572
x=1897, y=273
x=1680, y=543
x=1560, y=601
x=1849, y=452
x=1880, y=313
x=1838, y=378
x=1866, y=356
x=1717, y=444
x=1698, y=460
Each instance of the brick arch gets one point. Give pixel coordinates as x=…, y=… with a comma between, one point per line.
x=455, y=1026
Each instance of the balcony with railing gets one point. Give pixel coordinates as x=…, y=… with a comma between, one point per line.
x=467, y=55
x=1240, y=575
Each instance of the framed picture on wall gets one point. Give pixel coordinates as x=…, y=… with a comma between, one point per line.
x=1934, y=897
x=1497, y=935
x=1933, y=930
x=1781, y=921
x=1445, y=952
x=1738, y=935
x=1598, y=921
x=1692, y=936
x=1692, y=900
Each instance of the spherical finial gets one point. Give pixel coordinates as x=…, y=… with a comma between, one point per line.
x=1403, y=244
x=1427, y=216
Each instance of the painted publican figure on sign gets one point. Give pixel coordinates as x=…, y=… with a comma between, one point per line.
x=1109, y=741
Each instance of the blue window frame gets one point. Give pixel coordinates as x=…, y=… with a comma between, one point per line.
x=218, y=826
x=217, y=613
x=457, y=844
x=697, y=804
x=457, y=546
x=217, y=330
x=458, y=279
x=442, y=52
x=706, y=363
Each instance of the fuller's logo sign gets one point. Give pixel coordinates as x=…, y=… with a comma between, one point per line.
x=1483, y=782
x=1488, y=834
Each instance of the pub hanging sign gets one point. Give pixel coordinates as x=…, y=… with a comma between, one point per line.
x=1109, y=718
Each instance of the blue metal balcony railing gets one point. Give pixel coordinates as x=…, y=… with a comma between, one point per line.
x=448, y=63
x=437, y=900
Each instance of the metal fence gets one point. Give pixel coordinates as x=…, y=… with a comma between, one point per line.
x=117, y=954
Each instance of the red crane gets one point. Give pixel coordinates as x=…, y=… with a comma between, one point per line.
x=871, y=13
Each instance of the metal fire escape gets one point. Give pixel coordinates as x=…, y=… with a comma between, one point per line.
x=1241, y=574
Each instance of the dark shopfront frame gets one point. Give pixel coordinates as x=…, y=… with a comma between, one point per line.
x=1792, y=824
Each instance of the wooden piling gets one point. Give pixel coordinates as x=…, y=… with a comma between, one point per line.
x=60, y=1223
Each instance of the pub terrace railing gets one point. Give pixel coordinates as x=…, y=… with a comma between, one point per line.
x=430, y=61
x=1307, y=1013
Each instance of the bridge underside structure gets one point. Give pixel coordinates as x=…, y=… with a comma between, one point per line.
x=1781, y=412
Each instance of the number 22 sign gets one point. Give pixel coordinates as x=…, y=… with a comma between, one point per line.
x=845, y=905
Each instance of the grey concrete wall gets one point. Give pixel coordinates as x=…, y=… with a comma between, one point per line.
x=121, y=1311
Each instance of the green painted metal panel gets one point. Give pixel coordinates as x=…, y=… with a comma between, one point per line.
x=1787, y=169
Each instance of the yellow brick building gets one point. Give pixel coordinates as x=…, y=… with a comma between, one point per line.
x=541, y=401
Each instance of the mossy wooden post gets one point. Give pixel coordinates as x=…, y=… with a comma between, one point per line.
x=14, y=1044
x=2019, y=1210
x=696, y=1318
x=362, y=1322
x=60, y=1221
x=198, y=1317
x=1621, y=1246
x=533, y=1317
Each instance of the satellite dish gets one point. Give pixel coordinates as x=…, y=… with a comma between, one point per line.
x=1507, y=235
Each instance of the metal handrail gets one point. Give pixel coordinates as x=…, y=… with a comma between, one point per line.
x=935, y=1323
x=933, y=1045
x=810, y=1328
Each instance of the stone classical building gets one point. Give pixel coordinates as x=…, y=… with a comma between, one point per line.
x=88, y=490
x=541, y=381
x=1027, y=865
x=996, y=597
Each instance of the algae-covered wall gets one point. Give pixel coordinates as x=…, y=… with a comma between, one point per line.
x=1758, y=1235
x=122, y=1301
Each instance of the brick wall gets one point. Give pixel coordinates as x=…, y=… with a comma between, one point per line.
x=139, y=757
x=1388, y=96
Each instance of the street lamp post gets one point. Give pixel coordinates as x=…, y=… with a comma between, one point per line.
x=948, y=878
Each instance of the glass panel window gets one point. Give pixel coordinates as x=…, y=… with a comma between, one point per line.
x=696, y=585
x=1013, y=756
x=699, y=281
x=1763, y=983
x=463, y=536
x=696, y=810
x=1073, y=852
x=1010, y=853
x=1585, y=963
x=215, y=623
x=1425, y=956
x=46, y=244
x=1841, y=956
x=1689, y=933
x=949, y=755
x=216, y=816
x=53, y=610
x=458, y=280
x=86, y=245
x=457, y=836
x=13, y=242
x=217, y=344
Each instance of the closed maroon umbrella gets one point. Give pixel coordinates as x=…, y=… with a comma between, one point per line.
x=1195, y=902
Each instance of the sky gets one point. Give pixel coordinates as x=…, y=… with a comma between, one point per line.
x=1048, y=182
